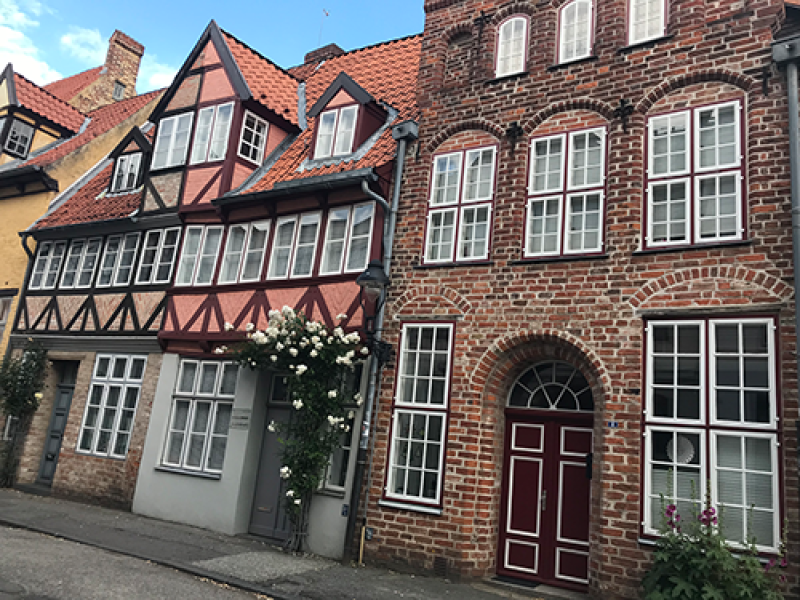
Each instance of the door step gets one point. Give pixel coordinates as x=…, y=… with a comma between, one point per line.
x=36, y=489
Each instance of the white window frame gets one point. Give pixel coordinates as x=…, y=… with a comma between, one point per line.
x=692, y=177
x=85, y=262
x=309, y=218
x=573, y=5
x=199, y=255
x=238, y=276
x=95, y=414
x=564, y=191
x=708, y=427
x=47, y=265
x=335, y=147
x=5, y=311
x=161, y=252
x=175, y=154
x=506, y=51
x=213, y=145
x=634, y=10
x=418, y=408
x=339, y=462
x=20, y=130
x=446, y=167
x=116, y=269
x=262, y=138
x=127, y=165
x=346, y=258
x=218, y=401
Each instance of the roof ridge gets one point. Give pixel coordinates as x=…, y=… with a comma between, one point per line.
x=261, y=56
x=369, y=47
x=53, y=96
x=125, y=101
x=73, y=75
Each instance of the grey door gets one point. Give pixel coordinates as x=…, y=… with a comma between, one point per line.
x=55, y=433
x=268, y=519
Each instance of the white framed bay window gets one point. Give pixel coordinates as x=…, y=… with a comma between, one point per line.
x=199, y=256
x=347, y=239
x=711, y=415
x=419, y=415
x=158, y=255
x=244, y=252
x=202, y=404
x=460, y=206
x=294, y=247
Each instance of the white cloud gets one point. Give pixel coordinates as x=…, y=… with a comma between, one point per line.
x=12, y=15
x=87, y=45
x=16, y=47
x=153, y=74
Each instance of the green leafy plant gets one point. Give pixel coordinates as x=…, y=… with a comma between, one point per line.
x=21, y=380
x=693, y=561
x=318, y=362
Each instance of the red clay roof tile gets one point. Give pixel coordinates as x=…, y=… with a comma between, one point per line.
x=270, y=85
x=69, y=87
x=45, y=104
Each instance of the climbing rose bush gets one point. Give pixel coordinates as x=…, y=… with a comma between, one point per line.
x=318, y=362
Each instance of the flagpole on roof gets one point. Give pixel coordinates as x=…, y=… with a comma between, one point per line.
x=325, y=13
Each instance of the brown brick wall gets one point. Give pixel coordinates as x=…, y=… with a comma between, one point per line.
x=586, y=311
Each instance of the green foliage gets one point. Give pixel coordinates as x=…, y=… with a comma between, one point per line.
x=21, y=379
x=319, y=363
x=692, y=561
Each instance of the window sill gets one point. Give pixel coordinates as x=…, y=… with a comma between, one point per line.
x=104, y=456
x=645, y=44
x=504, y=78
x=428, y=510
x=199, y=474
x=450, y=265
x=763, y=557
x=577, y=61
x=330, y=493
x=693, y=247
x=557, y=259
x=169, y=169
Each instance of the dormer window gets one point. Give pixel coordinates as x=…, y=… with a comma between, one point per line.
x=126, y=175
x=254, y=138
x=211, y=136
x=19, y=138
x=511, y=43
x=336, y=131
x=172, y=142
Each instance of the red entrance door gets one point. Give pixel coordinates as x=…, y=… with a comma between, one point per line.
x=544, y=527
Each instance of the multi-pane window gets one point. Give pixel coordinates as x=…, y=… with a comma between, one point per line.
x=211, y=133
x=460, y=206
x=199, y=257
x=419, y=420
x=254, y=138
x=172, y=142
x=116, y=267
x=201, y=414
x=80, y=263
x=512, y=40
x=576, y=24
x=126, y=174
x=335, y=476
x=295, y=246
x=711, y=416
x=646, y=20
x=119, y=91
x=158, y=255
x=111, y=406
x=347, y=239
x=19, y=139
x=336, y=132
x=47, y=266
x=694, y=176
x=244, y=252
x=565, y=189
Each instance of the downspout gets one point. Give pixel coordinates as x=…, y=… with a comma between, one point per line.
x=404, y=132
x=12, y=323
x=788, y=52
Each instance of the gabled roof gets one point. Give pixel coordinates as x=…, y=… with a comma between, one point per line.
x=342, y=82
x=24, y=93
x=388, y=73
x=69, y=87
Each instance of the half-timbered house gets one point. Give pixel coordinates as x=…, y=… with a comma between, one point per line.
x=273, y=173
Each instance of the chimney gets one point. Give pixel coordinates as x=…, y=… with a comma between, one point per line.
x=117, y=80
x=323, y=53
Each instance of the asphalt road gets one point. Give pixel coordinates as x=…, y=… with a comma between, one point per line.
x=39, y=567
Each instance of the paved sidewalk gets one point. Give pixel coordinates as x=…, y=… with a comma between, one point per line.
x=240, y=561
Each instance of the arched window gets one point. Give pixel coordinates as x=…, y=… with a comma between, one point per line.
x=552, y=385
x=575, y=31
x=512, y=40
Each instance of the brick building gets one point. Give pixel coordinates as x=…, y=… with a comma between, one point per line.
x=591, y=296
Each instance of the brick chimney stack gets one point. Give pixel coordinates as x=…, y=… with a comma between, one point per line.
x=117, y=79
x=324, y=53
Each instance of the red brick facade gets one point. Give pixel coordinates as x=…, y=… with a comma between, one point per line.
x=511, y=313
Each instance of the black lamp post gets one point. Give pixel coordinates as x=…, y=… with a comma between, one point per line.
x=373, y=283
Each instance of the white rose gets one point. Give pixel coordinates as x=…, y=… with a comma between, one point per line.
x=332, y=394
x=286, y=472
x=293, y=351
x=365, y=351
x=229, y=326
x=341, y=316
x=298, y=404
x=271, y=427
x=301, y=369
x=290, y=494
x=273, y=358
x=249, y=327
x=314, y=354
x=297, y=501
x=279, y=346
x=351, y=414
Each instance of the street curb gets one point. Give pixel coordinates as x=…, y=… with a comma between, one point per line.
x=242, y=584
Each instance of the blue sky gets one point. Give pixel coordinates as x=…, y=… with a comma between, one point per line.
x=50, y=39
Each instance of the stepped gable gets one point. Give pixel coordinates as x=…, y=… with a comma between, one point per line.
x=46, y=105
x=388, y=72
x=66, y=89
x=270, y=85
